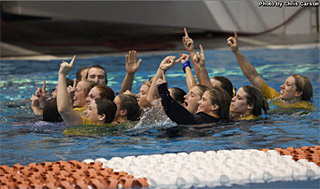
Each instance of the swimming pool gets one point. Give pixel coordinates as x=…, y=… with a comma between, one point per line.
x=23, y=139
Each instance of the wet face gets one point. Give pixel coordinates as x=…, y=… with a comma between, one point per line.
x=215, y=83
x=79, y=97
x=97, y=75
x=289, y=90
x=191, y=99
x=92, y=112
x=239, y=103
x=117, y=102
x=204, y=105
x=93, y=94
x=142, y=96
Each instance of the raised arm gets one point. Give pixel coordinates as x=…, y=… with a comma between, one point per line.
x=248, y=70
x=166, y=64
x=132, y=67
x=35, y=105
x=199, y=61
x=70, y=116
x=187, y=69
x=189, y=46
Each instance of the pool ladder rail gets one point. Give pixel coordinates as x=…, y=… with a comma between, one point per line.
x=171, y=170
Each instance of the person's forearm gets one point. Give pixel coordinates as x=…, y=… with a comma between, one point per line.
x=36, y=110
x=189, y=78
x=153, y=91
x=248, y=70
x=63, y=102
x=127, y=82
x=205, y=80
x=196, y=69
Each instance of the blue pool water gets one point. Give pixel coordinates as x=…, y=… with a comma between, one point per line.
x=23, y=139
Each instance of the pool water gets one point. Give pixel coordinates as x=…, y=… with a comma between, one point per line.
x=25, y=139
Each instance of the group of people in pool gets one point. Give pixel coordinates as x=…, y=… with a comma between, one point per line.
x=89, y=101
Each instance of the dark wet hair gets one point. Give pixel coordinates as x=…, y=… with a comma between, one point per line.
x=220, y=97
x=99, y=67
x=225, y=84
x=303, y=85
x=130, y=103
x=78, y=74
x=50, y=111
x=107, y=107
x=202, y=89
x=69, y=82
x=178, y=94
x=255, y=97
x=105, y=92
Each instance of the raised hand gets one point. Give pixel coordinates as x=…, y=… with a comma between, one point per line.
x=72, y=89
x=233, y=42
x=131, y=62
x=65, y=67
x=168, y=62
x=199, y=58
x=187, y=41
x=184, y=57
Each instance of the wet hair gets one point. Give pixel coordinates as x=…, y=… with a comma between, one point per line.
x=99, y=67
x=105, y=92
x=78, y=74
x=225, y=84
x=255, y=97
x=178, y=94
x=303, y=85
x=50, y=111
x=220, y=97
x=130, y=104
x=202, y=89
x=69, y=82
x=107, y=107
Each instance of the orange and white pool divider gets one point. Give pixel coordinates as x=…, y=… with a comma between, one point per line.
x=171, y=170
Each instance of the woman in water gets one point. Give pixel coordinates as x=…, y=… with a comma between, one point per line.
x=248, y=104
x=297, y=88
x=99, y=112
x=213, y=106
x=127, y=108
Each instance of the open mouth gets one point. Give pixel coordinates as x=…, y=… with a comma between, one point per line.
x=185, y=104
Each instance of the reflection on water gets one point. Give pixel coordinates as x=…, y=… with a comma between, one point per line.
x=24, y=138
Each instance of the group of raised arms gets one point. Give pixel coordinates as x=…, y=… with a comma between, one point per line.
x=89, y=101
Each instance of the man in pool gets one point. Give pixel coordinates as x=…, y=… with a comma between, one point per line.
x=296, y=88
x=97, y=74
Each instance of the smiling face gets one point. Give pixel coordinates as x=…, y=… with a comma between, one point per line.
x=93, y=94
x=204, y=105
x=92, y=112
x=239, y=103
x=97, y=75
x=191, y=99
x=79, y=97
x=142, y=96
x=289, y=91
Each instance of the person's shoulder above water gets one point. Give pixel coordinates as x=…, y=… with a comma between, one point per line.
x=304, y=105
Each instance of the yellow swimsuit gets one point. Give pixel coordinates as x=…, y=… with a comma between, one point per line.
x=270, y=93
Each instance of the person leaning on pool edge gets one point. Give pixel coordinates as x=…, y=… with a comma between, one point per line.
x=295, y=89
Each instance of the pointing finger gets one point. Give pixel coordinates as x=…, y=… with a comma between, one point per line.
x=44, y=85
x=201, y=49
x=72, y=61
x=186, y=33
x=235, y=34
